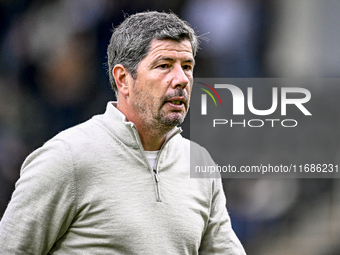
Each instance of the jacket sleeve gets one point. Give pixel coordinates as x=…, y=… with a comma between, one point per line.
x=219, y=237
x=43, y=203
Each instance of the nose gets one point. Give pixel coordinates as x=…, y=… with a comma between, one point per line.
x=180, y=77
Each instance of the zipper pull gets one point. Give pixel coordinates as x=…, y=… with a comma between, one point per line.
x=156, y=175
x=158, y=193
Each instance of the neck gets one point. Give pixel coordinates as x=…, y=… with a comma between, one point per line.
x=152, y=136
x=151, y=140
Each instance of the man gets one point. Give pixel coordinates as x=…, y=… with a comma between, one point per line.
x=120, y=182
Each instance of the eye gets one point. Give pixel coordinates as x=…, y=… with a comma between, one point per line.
x=187, y=67
x=163, y=66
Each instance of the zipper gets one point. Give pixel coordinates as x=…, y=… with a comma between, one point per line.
x=158, y=192
x=154, y=171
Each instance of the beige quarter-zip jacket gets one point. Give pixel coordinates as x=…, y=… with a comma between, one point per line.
x=91, y=190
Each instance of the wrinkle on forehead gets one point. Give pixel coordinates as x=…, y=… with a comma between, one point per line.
x=171, y=45
x=181, y=50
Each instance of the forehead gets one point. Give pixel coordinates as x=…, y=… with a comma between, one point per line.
x=180, y=49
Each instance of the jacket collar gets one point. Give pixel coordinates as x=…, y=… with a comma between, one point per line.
x=125, y=131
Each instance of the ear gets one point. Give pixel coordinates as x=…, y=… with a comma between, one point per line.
x=121, y=76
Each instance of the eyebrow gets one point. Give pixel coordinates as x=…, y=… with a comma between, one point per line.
x=190, y=60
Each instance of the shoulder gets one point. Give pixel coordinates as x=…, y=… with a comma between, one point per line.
x=59, y=153
x=80, y=133
x=50, y=162
x=195, y=150
x=185, y=143
x=196, y=157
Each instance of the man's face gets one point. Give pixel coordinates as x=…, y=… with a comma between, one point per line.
x=161, y=92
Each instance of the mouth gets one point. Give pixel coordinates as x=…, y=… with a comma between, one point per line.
x=178, y=103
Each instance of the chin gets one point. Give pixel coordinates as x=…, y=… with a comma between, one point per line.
x=174, y=120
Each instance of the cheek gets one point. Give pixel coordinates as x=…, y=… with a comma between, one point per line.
x=154, y=89
x=188, y=90
x=154, y=97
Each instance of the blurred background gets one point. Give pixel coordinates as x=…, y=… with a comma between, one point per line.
x=53, y=76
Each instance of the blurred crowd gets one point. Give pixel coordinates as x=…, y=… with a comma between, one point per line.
x=53, y=76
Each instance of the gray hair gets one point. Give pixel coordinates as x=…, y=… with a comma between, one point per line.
x=130, y=41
